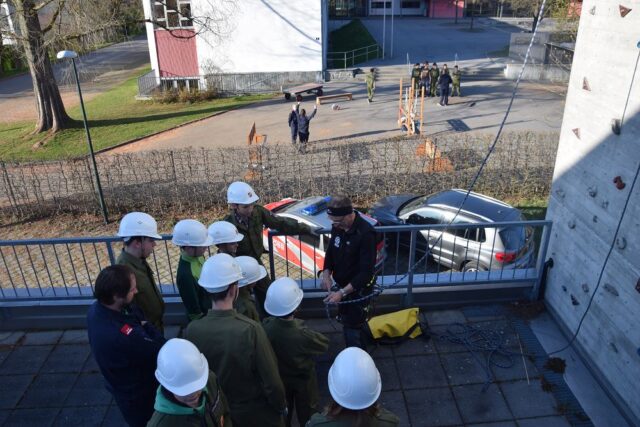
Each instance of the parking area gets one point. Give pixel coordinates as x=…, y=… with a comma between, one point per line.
x=50, y=378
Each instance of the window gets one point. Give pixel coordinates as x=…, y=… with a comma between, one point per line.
x=425, y=216
x=379, y=4
x=173, y=13
x=411, y=5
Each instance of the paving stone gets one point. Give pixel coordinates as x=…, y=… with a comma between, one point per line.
x=90, y=365
x=442, y=344
x=81, y=417
x=503, y=328
x=381, y=351
x=172, y=332
x=89, y=390
x=445, y=317
x=113, y=418
x=498, y=424
x=528, y=400
x=48, y=390
x=66, y=358
x=12, y=387
x=74, y=336
x=35, y=417
x=25, y=360
x=544, y=421
x=415, y=346
x=336, y=345
x=388, y=374
x=515, y=371
x=10, y=338
x=432, y=407
x=478, y=406
x=4, y=353
x=421, y=372
x=463, y=368
x=394, y=401
x=4, y=414
x=322, y=371
x=42, y=338
x=482, y=313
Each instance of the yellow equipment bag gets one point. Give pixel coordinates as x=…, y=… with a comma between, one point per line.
x=396, y=327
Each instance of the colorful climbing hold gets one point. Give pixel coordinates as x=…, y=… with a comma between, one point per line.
x=624, y=11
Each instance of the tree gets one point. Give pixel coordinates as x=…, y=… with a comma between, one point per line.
x=532, y=8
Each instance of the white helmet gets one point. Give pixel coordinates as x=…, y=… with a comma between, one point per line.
x=219, y=272
x=190, y=232
x=283, y=297
x=252, y=271
x=224, y=232
x=354, y=380
x=136, y=224
x=241, y=193
x=182, y=369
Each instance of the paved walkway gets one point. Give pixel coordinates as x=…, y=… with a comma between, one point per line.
x=50, y=378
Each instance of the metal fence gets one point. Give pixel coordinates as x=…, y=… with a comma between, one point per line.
x=147, y=83
x=53, y=269
x=353, y=57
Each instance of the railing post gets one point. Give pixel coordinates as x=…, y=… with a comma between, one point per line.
x=112, y=258
x=272, y=263
x=344, y=64
x=542, y=254
x=408, y=299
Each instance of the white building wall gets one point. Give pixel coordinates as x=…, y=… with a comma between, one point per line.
x=586, y=206
x=262, y=36
x=151, y=39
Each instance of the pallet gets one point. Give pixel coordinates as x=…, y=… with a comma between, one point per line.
x=347, y=95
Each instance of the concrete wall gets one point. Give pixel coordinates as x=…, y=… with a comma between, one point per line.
x=151, y=40
x=262, y=36
x=586, y=206
x=544, y=72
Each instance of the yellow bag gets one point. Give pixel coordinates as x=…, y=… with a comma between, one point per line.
x=396, y=327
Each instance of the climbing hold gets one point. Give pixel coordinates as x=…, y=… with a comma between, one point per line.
x=609, y=288
x=595, y=218
x=621, y=243
x=574, y=301
x=585, y=84
x=576, y=131
x=571, y=224
x=619, y=183
x=605, y=204
x=615, y=126
x=593, y=191
x=564, y=288
x=624, y=11
x=585, y=287
x=592, y=10
x=560, y=193
x=613, y=347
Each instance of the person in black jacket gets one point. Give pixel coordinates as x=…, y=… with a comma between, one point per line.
x=350, y=262
x=303, y=125
x=443, y=84
x=124, y=345
x=293, y=123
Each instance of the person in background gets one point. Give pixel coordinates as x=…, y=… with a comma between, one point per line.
x=252, y=272
x=293, y=123
x=434, y=74
x=303, y=125
x=443, y=84
x=455, y=78
x=295, y=346
x=192, y=239
x=370, y=79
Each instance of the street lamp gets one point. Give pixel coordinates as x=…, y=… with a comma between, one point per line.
x=70, y=54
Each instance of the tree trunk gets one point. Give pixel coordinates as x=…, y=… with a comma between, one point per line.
x=51, y=113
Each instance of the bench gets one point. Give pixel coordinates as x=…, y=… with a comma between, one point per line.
x=347, y=95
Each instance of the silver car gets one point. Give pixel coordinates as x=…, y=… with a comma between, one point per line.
x=466, y=249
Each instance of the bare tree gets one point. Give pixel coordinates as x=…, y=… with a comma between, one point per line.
x=532, y=8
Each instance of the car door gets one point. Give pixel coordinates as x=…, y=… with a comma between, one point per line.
x=427, y=216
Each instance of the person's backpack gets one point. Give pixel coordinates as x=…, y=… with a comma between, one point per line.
x=396, y=327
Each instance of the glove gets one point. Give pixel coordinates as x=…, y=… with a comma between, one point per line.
x=293, y=107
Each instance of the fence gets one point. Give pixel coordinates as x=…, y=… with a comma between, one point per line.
x=353, y=57
x=147, y=83
x=46, y=269
x=159, y=182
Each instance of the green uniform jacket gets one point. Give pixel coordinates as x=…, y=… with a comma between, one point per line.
x=371, y=80
x=455, y=77
x=148, y=297
x=434, y=73
x=295, y=345
x=210, y=413
x=245, y=305
x=194, y=297
x=238, y=351
x=384, y=418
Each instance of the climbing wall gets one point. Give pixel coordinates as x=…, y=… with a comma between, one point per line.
x=598, y=159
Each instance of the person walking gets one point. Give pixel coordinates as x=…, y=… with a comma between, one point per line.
x=124, y=344
x=295, y=346
x=237, y=350
x=303, y=125
x=455, y=79
x=443, y=84
x=189, y=394
x=293, y=123
x=355, y=386
x=192, y=239
x=371, y=84
x=140, y=232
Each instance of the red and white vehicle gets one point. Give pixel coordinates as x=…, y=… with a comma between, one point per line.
x=308, y=251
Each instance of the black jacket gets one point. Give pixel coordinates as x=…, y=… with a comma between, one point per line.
x=444, y=81
x=351, y=255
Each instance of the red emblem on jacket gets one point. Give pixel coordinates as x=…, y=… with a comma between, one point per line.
x=126, y=329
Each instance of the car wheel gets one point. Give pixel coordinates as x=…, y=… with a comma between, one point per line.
x=473, y=266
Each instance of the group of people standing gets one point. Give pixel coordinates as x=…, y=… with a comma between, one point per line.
x=436, y=82
x=245, y=359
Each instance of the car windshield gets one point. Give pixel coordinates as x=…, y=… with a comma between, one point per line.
x=412, y=205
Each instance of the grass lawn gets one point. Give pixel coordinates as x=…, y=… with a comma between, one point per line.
x=350, y=37
x=500, y=53
x=114, y=117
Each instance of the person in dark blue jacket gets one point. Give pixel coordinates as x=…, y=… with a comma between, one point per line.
x=303, y=125
x=124, y=345
x=293, y=123
x=443, y=84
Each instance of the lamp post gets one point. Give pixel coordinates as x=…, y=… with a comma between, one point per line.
x=69, y=54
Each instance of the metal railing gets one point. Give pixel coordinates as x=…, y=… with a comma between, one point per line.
x=147, y=83
x=66, y=268
x=353, y=57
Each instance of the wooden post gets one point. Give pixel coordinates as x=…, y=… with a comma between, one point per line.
x=400, y=103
